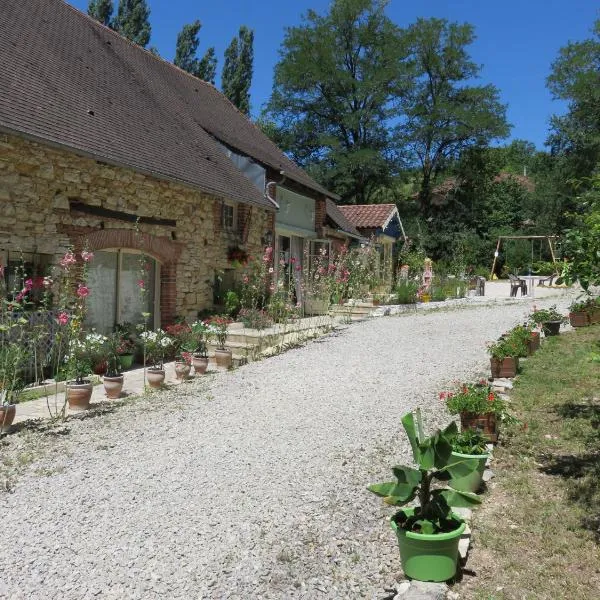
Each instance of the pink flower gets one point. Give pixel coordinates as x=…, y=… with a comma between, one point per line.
x=47, y=281
x=28, y=284
x=87, y=256
x=140, y=284
x=20, y=296
x=67, y=260
x=83, y=291
x=62, y=318
x=246, y=279
x=293, y=260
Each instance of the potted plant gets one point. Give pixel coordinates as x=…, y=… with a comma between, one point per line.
x=504, y=357
x=479, y=408
x=113, y=378
x=525, y=343
x=223, y=356
x=182, y=345
x=201, y=336
x=579, y=315
x=82, y=348
x=428, y=534
x=156, y=344
x=472, y=445
x=13, y=358
x=593, y=310
x=126, y=348
x=549, y=318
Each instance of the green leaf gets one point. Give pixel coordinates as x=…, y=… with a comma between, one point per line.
x=461, y=467
x=458, y=499
x=408, y=422
x=427, y=452
x=407, y=475
x=427, y=527
x=393, y=493
x=442, y=450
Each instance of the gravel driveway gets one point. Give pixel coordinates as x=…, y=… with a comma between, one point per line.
x=248, y=484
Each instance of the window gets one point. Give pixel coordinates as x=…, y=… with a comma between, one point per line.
x=20, y=267
x=228, y=217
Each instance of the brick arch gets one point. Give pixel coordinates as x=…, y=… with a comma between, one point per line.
x=161, y=248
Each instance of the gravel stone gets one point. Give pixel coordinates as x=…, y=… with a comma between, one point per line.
x=246, y=484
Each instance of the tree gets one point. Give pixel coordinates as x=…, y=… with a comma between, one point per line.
x=101, y=10
x=185, y=54
x=442, y=115
x=237, y=69
x=132, y=21
x=334, y=95
x=575, y=78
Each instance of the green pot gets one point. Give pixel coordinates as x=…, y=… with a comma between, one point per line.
x=428, y=557
x=126, y=361
x=551, y=328
x=472, y=481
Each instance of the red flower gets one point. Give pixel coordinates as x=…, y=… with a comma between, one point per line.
x=28, y=284
x=83, y=291
x=491, y=397
x=140, y=284
x=62, y=318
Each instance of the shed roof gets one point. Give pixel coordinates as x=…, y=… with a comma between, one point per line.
x=368, y=216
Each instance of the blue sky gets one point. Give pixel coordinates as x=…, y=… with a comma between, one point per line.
x=517, y=40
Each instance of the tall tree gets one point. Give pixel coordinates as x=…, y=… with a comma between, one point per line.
x=101, y=10
x=442, y=114
x=133, y=21
x=575, y=78
x=186, y=54
x=334, y=95
x=236, y=77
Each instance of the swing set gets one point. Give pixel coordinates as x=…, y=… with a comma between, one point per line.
x=549, y=238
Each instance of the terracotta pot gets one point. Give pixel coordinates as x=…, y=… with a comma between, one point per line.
x=200, y=364
x=485, y=424
x=533, y=343
x=504, y=368
x=7, y=416
x=78, y=395
x=223, y=358
x=579, y=319
x=155, y=377
x=113, y=386
x=182, y=370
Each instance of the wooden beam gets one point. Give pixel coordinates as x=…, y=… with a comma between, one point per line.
x=99, y=211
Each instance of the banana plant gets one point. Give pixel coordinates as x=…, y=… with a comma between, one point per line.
x=433, y=456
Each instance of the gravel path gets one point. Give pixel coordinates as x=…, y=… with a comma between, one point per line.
x=249, y=484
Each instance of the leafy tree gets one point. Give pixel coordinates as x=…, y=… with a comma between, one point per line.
x=575, y=78
x=237, y=69
x=442, y=115
x=335, y=92
x=101, y=10
x=133, y=21
x=185, y=54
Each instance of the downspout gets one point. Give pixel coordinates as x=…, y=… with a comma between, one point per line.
x=268, y=195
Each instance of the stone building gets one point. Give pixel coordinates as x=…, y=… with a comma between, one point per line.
x=106, y=146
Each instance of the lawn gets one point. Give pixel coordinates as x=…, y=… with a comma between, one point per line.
x=536, y=536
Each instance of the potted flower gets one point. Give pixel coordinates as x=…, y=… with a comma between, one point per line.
x=83, y=348
x=469, y=444
x=428, y=534
x=549, y=318
x=479, y=408
x=98, y=352
x=182, y=345
x=220, y=325
x=504, y=357
x=523, y=340
x=579, y=315
x=156, y=345
x=13, y=359
x=126, y=348
x=113, y=378
x=201, y=336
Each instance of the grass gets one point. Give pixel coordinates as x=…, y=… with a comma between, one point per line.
x=537, y=534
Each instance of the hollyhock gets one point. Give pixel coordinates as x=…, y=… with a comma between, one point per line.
x=83, y=291
x=67, y=260
x=87, y=256
x=62, y=318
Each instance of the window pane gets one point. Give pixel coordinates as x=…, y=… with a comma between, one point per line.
x=132, y=302
x=102, y=301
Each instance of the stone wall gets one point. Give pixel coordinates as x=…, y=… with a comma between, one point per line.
x=40, y=184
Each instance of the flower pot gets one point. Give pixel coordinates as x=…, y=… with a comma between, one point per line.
x=78, y=395
x=594, y=316
x=200, y=364
x=533, y=343
x=223, y=358
x=7, y=416
x=579, y=319
x=155, y=377
x=506, y=367
x=485, y=424
x=551, y=328
x=182, y=370
x=113, y=386
x=428, y=557
x=125, y=361
x=472, y=481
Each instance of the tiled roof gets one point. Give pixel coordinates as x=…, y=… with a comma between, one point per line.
x=338, y=217
x=368, y=215
x=66, y=79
